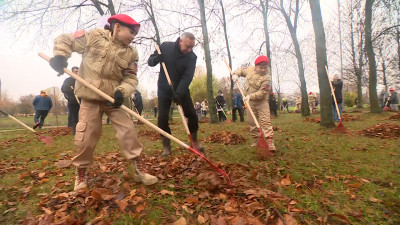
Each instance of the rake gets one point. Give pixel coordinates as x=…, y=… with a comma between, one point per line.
x=141, y=119
x=262, y=145
x=340, y=128
x=44, y=139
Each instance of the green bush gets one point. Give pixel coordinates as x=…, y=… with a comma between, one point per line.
x=349, y=98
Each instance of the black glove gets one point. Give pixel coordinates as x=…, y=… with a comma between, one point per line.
x=58, y=63
x=118, y=99
x=177, y=99
x=160, y=58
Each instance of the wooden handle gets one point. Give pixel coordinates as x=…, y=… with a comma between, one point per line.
x=108, y=98
x=241, y=92
x=333, y=94
x=170, y=84
x=18, y=121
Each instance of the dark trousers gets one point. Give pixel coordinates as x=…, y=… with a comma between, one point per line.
x=164, y=105
x=73, y=115
x=40, y=115
x=240, y=111
x=221, y=116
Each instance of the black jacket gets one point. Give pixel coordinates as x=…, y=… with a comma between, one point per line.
x=220, y=101
x=272, y=103
x=338, y=91
x=138, y=101
x=180, y=69
x=68, y=91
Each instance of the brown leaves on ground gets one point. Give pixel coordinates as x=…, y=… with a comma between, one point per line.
x=8, y=143
x=112, y=194
x=312, y=120
x=347, y=117
x=395, y=117
x=149, y=134
x=226, y=138
x=204, y=120
x=56, y=132
x=382, y=130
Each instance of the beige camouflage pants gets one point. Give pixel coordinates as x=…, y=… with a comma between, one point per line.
x=261, y=111
x=88, y=132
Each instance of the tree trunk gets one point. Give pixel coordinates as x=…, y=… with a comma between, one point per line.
x=323, y=81
x=227, y=44
x=305, y=111
x=211, y=104
x=373, y=95
x=383, y=65
x=357, y=69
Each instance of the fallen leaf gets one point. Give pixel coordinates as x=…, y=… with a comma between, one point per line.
x=289, y=220
x=96, y=195
x=140, y=208
x=181, y=221
x=41, y=175
x=122, y=204
x=286, y=180
x=372, y=199
x=165, y=192
x=9, y=210
x=201, y=219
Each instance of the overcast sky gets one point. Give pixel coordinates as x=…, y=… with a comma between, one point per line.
x=23, y=72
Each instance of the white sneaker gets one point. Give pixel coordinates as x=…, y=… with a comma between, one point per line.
x=141, y=177
x=80, y=179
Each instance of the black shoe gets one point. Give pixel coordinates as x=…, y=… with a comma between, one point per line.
x=35, y=126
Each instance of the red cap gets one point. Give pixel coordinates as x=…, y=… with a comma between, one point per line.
x=126, y=20
x=261, y=58
x=272, y=93
x=310, y=93
x=391, y=89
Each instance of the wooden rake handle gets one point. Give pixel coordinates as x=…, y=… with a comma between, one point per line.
x=333, y=94
x=247, y=102
x=184, y=121
x=108, y=98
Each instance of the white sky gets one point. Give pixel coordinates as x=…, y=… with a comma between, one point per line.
x=23, y=72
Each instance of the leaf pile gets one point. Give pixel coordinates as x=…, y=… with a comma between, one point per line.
x=7, y=143
x=149, y=134
x=347, y=117
x=59, y=131
x=226, y=138
x=312, y=120
x=204, y=120
x=382, y=130
x=395, y=117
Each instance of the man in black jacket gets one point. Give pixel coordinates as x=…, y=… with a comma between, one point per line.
x=337, y=85
x=73, y=105
x=181, y=63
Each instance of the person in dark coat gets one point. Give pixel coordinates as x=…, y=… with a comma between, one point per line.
x=337, y=87
x=219, y=104
x=393, y=100
x=68, y=88
x=138, y=102
x=273, y=104
x=237, y=106
x=180, y=62
x=42, y=104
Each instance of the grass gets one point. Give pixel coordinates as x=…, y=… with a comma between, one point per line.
x=330, y=174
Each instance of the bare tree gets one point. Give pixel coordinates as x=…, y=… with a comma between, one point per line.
x=213, y=117
x=292, y=26
x=373, y=95
x=323, y=81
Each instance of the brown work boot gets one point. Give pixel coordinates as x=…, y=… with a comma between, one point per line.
x=142, y=177
x=271, y=145
x=81, y=179
x=167, y=146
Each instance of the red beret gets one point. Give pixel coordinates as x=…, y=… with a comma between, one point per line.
x=261, y=58
x=126, y=20
x=310, y=93
x=391, y=89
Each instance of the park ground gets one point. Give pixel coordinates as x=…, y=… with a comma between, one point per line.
x=316, y=176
